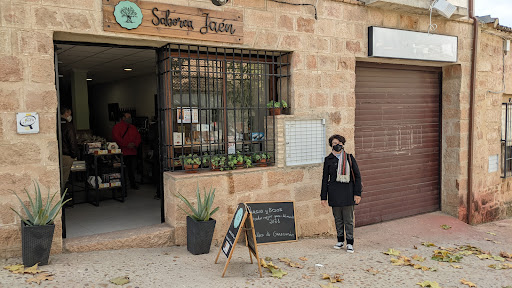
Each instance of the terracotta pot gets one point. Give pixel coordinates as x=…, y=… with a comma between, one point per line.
x=274, y=111
x=215, y=168
x=262, y=163
x=191, y=168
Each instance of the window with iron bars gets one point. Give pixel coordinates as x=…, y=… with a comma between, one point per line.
x=214, y=106
x=506, y=140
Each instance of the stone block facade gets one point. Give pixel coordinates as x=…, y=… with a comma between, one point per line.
x=323, y=61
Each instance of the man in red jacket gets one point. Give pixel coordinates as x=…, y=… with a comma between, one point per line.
x=128, y=139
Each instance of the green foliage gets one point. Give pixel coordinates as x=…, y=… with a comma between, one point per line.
x=204, y=211
x=206, y=159
x=191, y=159
x=248, y=161
x=277, y=104
x=256, y=157
x=239, y=157
x=446, y=256
x=39, y=213
x=218, y=161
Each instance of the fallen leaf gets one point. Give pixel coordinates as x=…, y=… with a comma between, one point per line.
x=428, y=244
x=295, y=265
x=304, y=276
x=285, y=260
x=483, y=256
x=456, y=266
x=277, y=272
x=268, y=259
x=433, y=269
x=466, y=282
x=490, y=233
x=373, y=271
x=392, y=251
x=415, y=247
x=498, y=258
x=333, y=279
x=445, y=256
x=120, y=280
x=32, y=270
x=501, y=266
x=418, y=258
x=14, y=268
x=431, y=284
x=41, y=277
x=303, y=258
x=263, y=263
x=176, y=256
x=502, y=254
x=445, y=227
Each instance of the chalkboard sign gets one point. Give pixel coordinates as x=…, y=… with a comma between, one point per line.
x=273, y=221
x=242, y=222
x=231, y=235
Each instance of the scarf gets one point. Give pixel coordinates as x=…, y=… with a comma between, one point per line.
x=343, y=172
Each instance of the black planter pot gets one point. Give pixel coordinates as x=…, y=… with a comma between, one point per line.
x=36, y=243
x=199, y=235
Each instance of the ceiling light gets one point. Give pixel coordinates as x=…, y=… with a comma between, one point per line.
x=128, y=69
x=89, y=79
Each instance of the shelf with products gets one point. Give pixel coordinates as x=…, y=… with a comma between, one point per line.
x=105, y=172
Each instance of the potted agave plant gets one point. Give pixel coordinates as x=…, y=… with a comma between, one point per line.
x=38, y=226
x=200, y=225
x=274, y=107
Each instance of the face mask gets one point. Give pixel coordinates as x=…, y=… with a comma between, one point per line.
x=337, y=147
x=128, y=120
x=69, y=118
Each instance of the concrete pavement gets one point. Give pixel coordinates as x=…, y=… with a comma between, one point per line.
x=175, y=267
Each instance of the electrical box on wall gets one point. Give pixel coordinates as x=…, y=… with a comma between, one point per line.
x=506, y=46
x=27, y=122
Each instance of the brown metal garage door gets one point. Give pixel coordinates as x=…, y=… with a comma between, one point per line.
x=397, y=140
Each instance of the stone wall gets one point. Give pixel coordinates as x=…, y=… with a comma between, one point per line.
x=325, y=52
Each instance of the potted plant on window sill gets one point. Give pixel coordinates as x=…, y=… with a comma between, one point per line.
x=38, y=226
x=217, y=162
x=274, y=107
x=261, y=159
x=191, y=163
x=200, y=225
x=239, y=160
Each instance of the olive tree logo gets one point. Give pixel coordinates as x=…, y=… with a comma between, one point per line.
x=128, y=15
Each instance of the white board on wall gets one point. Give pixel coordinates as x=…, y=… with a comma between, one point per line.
x=305, y=142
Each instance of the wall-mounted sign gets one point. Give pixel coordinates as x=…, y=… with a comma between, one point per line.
x=394, y=43
x=161, y=19
x=27, y=122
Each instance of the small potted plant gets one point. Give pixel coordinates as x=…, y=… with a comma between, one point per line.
x=217, y=162
x=200, y=225
x=206, y=160
x=274, y=107
x=261, y=159
x=38, y=226
x=239, y=160
x=191, y=163
x=248, y=161
x=232, y=161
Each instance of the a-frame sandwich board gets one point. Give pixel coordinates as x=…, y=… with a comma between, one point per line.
x=242, y=221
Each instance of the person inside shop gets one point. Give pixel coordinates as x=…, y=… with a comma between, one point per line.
x=69, y=143
x=128, y=138
x=341, y=189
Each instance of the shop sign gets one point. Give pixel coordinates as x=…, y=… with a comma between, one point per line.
x=27, y=122
x=394, y=43
x=166, y=20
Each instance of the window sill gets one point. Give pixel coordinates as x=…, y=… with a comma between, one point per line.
x=178, y=175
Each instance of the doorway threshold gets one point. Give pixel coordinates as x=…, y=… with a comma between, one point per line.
x=160, y=235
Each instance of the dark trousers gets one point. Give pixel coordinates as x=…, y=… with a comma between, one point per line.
x=131, y=166
x=344, y=220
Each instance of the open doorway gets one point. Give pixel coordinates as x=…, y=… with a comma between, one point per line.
x=100, y=85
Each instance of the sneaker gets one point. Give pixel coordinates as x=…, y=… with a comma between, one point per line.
x=350, y=248
x=338, y=245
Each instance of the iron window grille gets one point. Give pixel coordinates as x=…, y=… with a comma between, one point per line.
x=213, y=103
x=506, y=140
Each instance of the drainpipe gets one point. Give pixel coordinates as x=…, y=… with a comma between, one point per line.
x=471, y=105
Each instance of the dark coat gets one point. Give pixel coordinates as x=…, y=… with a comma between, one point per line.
x=339, y=194
x=69, y=145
